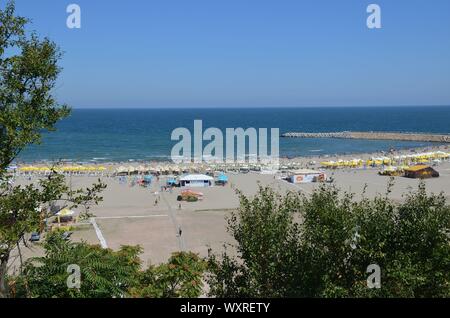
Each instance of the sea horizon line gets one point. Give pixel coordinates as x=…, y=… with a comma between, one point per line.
x=249, y=107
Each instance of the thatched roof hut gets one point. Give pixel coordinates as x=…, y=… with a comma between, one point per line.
x=421, y=172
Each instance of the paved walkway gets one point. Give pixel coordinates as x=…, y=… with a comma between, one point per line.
x=177, y=226
x=99, y=233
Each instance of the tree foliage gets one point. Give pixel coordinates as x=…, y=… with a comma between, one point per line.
x=28, y=73
x=321, y=246
x=105, y=273
x=180, y=277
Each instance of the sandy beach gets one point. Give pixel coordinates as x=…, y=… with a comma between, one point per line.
x=129, y=215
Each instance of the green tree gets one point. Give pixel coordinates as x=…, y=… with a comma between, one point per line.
x=321, y=246
x=180, y=277
x=266, y=232
x=28, y=73
x=104, y=273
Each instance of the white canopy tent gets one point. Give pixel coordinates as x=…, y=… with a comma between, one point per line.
x=196, y=181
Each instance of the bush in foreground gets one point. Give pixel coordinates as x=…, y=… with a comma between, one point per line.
x=322, y=245
x=105, y=273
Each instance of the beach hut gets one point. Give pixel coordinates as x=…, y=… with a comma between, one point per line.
x=307, y=176
x=65, y=215
x=421, y=172
x=196, y=181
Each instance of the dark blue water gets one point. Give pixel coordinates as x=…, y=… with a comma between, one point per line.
x=144, y=134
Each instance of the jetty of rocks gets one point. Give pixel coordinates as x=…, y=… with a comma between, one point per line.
x=373, y=135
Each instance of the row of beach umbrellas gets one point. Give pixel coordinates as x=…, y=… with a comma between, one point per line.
x=63, y=169
x=176, y=168
x=378, y=161
x=181, y=169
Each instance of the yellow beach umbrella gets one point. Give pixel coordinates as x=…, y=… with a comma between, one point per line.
x=65, y=212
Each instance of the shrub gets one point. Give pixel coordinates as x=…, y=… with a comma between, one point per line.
x=191, y=199
x=322, y=245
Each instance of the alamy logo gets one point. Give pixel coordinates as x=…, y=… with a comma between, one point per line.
x=374, y=19
x=241, y=146
x=74, y=279
x=74, y=19
x=374, y=279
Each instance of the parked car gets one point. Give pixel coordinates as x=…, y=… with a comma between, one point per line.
x=35, y=237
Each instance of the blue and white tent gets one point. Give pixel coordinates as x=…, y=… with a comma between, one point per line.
x=222, y=178
x=148, y=178
x=171, y=182
x=196, y=181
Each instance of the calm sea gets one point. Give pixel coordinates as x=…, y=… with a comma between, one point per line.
x=144, y=134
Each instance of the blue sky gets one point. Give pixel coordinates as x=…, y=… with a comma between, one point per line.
x=248, y=53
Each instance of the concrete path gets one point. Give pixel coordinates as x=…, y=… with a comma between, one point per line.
x=99, y=233
x=177, y=226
